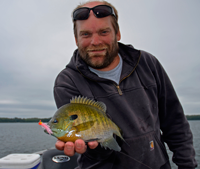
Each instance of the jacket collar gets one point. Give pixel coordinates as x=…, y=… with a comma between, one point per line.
x=129, y=55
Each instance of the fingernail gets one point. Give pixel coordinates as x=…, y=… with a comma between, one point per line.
x=69, y=147
x=78, y=145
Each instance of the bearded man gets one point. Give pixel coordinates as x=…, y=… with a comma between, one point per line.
x=138, y=94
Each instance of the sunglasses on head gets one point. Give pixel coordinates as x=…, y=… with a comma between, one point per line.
x=99, y=11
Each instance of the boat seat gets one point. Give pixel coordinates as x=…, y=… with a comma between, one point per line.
x=64, y=162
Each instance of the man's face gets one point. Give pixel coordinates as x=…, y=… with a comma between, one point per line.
x=96, y=40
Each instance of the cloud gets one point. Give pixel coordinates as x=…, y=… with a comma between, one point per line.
x=36, y=42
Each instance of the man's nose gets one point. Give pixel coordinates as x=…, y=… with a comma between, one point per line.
x=96, y=39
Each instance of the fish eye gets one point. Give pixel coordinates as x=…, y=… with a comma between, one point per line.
x=73, y=117
x=55, y=121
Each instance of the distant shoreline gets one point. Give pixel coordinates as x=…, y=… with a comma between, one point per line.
x=193, y=117
x=22, y=120
x=27, y=120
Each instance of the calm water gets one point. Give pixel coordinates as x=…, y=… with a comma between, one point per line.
x=29, y=138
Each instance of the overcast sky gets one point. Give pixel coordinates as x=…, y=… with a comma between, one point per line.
x=36, y=42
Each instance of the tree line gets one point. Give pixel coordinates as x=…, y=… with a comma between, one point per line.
x=22, y=120
x=28, y=120
x=193, y=117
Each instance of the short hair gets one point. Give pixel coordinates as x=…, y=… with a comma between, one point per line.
x=114, y=20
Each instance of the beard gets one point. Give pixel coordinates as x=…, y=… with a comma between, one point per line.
x=99, y=61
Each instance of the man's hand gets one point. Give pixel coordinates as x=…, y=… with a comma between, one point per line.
x=79, y=146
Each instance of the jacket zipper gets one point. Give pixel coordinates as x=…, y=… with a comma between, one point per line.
x=117, y=86
x=119, y=90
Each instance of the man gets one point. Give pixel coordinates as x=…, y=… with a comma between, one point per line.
x=138, y=94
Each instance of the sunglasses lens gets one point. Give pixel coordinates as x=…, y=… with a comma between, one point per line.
x=81, y=14
x=102, y=11
x=99, y=11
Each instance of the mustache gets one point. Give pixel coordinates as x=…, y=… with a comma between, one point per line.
x=96, y=48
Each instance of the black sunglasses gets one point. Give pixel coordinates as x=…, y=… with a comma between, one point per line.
x=99, y=11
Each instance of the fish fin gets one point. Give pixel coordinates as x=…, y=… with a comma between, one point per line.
x=84, y=126
x=111, y=143
x=85, y=100
x=120, y=136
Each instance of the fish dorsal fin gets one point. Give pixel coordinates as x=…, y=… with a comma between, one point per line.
x=85, y=100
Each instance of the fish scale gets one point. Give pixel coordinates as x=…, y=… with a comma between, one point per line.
x=86, y=119
x=95, y=126
x=91, y=117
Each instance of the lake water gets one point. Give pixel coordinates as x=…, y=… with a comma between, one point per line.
x=29, y=138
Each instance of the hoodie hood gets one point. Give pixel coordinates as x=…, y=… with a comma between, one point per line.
x=129, y=55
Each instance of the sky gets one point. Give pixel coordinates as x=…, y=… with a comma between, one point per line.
x=37, y=42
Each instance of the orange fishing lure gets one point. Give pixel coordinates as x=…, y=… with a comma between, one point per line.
x=46, y=127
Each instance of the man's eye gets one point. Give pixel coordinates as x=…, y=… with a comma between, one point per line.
x=105, y=32
x=85, y=34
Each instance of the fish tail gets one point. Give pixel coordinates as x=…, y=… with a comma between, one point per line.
x=111, y=143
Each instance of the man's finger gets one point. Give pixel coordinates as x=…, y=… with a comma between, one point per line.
x=80, y=146
x=60, y=145
x=69, y=148
x=93, y=144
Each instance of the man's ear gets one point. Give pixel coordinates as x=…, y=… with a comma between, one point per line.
x=76, y=41
x=118, y=35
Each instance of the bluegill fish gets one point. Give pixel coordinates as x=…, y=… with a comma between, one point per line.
x=85, y=119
